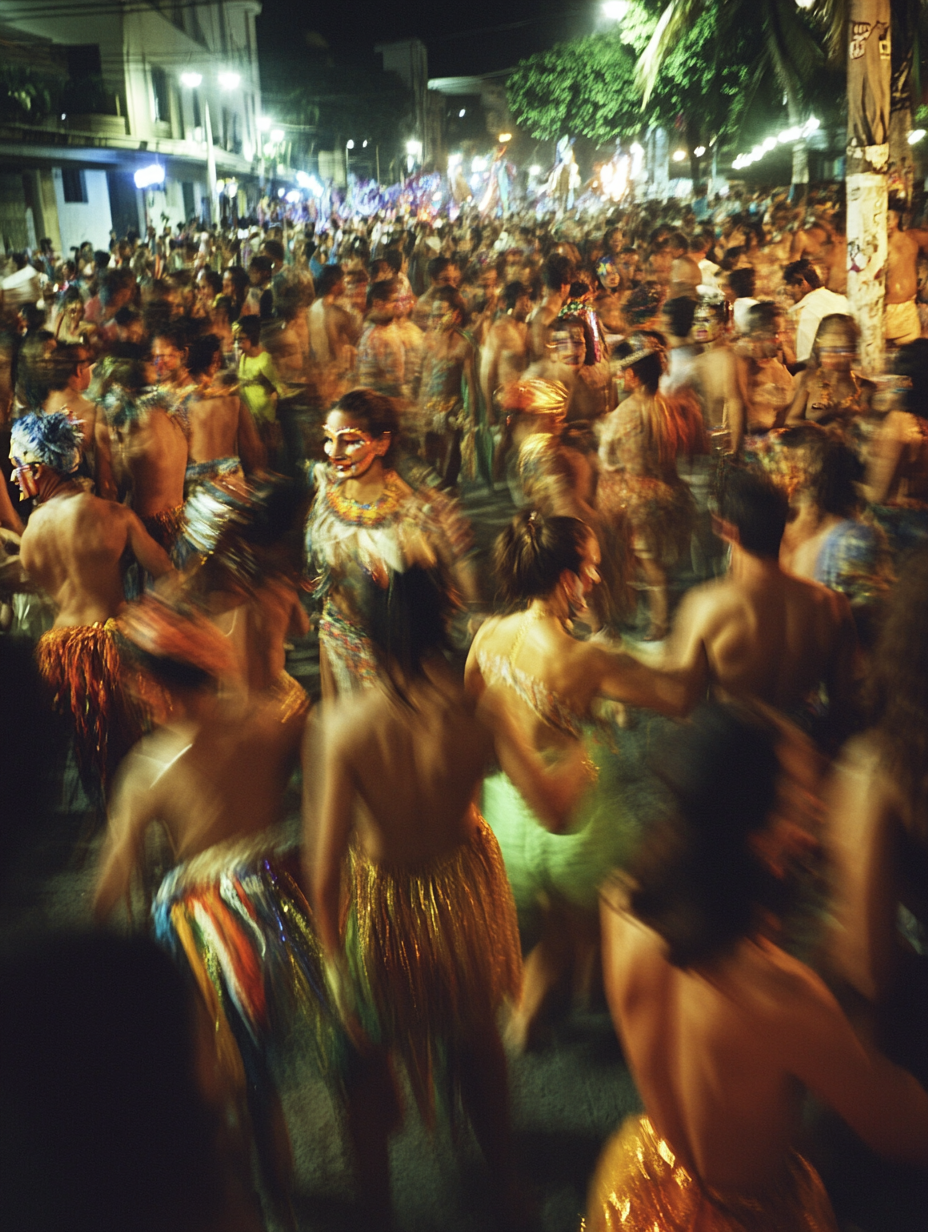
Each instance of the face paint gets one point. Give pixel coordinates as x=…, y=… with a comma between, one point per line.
x=24, y=478
x=705, y=326
x=351, y=451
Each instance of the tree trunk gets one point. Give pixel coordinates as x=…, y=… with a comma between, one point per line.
x=868, y=91
x=800, y=178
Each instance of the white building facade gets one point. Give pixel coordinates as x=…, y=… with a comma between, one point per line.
x=118, y=90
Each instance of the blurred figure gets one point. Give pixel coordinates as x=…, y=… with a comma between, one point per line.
x=878, y=830
x=111, y=1112
x=723, y=1029
x=72, y=548
x=223, y=441
x=425, y=949
x=828, y=392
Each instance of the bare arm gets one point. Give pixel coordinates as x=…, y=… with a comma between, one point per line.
x=331, y=843
x=106, y=483
x=797, y=408
x=686, y=657
x=883, y=1103
x=489, y=374
x=628, y=680
x=150, y=555
x=884, y=458
x=131, y=810
x=861, y=821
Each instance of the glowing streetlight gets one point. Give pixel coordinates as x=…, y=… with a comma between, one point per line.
x=916, y=135
x=230, y=81
x=276, y=135
x=534, y=169
x=504, y=137
x=699, y=151
x=678, y=156
x=614, y=10
x=264, y=124
x=349, y=144
x=363, y=145
x=148, y=177
x=414, y=149
x=191, y=80
x=462, y=113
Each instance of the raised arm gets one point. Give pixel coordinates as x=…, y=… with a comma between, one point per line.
x=150, y=555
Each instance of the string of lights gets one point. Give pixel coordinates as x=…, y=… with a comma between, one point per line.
x=787, y=137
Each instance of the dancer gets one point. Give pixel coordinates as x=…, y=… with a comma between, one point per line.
x=72, y=548
x=548, y=686
x=414, y=912
x=224, y=442
x=448, y=397
x=214, y=776
x=722, y=1029
x=363, y=513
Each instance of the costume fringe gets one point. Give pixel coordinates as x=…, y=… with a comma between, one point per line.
x=246, y=930
x=433, y=952
x=639, y=1186
x=83, y=668
x=166, y=527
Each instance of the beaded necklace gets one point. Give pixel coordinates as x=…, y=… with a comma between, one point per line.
x=380, y=510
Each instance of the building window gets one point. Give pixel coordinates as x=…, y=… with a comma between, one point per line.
x=159, y=93
x=74, y=186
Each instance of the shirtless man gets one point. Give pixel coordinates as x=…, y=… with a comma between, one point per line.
x=557, y=275
x=68, y=379
x=504, y=354
x=443, y=272
x=901, y=320
x=72, y=548
x=333, y=335
x=759, y=633
x=154, y=445
x=685, y=274
x=223, y=439
x=215, y=777
x=715, y=379
x=723, y=1030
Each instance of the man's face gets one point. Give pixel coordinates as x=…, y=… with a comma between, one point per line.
x=81, y=379
x=705, y=325
x=523, y=307
x=384, y=311
x=442, y=318
x=166, y=358
x=797, y=290
x=569, y=345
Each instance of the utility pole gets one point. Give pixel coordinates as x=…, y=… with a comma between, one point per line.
x=868, y=98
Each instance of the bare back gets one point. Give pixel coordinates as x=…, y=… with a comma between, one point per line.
x=214, y=419
x=72, y=548
x=721, y=1055
x=154, y=451
x=771, y=638
x=416, y=767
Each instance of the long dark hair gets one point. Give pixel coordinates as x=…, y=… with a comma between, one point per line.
x=698, y=883
x=532, y=553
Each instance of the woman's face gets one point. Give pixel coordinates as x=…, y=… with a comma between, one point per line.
x=74, y=312
x=349, y=446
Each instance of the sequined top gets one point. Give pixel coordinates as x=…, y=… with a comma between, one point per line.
x=543, y=701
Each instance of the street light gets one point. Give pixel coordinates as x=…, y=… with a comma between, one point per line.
x=699, y=151
x=614, y=10
x=265, y=123
x=276, y=135
x=916, y=135
x=349, y=144
x=504, y=137
x=230, y=81
x=678, y=156
x=191, y=80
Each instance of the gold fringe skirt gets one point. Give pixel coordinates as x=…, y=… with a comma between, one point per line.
x=83, y=668
x=166, y=527
x=433, y=951
x=639, y=1187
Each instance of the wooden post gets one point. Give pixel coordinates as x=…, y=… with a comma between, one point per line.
x=868, y=96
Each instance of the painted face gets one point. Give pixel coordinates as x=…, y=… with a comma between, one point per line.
x=24, y=478
x=349, y=446
x=705, y=325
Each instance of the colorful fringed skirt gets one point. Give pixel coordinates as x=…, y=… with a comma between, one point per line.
x=640, y=1187
x=83, y=669
x=238, y=917
x=433, y=952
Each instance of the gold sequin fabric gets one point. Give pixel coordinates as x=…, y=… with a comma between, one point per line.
x=166, y=526
x=640, y=1187
x=433, y=952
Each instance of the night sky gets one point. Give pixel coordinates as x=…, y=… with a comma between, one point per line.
x=457, y=35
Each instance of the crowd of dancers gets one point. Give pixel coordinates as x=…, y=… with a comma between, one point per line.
x=216, y=449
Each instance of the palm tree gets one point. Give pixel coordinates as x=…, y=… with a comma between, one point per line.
x=788, y=51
